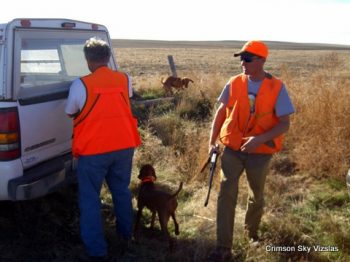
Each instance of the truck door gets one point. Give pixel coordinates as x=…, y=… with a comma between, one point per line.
x=46, y=61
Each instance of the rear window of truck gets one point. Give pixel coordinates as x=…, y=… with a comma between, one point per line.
x=47, y=62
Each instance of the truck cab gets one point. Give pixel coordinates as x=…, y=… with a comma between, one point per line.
x=39, y=59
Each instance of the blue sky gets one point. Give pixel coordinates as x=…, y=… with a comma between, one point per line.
x=311, y=21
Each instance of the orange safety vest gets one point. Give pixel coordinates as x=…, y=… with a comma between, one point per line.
x=105, y=123
x=240, y=122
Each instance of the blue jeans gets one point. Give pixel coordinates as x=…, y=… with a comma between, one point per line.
x=115, y=167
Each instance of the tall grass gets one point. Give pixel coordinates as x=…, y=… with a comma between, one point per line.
x=318, y=140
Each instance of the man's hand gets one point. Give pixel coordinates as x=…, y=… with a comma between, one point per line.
x=213, y=148
x=251, y=143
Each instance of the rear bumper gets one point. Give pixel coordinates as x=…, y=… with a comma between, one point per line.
x=42, y=179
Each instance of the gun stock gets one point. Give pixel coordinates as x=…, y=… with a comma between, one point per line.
x=204, y=165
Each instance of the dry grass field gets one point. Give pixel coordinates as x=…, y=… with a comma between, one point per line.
x=307, y=204
x=307, y=200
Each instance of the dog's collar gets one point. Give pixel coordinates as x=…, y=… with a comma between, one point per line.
x=148, y=179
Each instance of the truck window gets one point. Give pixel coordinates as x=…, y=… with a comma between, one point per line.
x=46, y=62
x=39, y=62
x=50, y=61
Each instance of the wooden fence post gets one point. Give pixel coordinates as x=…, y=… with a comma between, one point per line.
x=172, y=65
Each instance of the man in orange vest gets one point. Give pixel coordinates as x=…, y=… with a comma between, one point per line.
x=104, y=137
x=250, y=121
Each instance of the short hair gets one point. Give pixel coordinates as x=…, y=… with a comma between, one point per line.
x=97, y=50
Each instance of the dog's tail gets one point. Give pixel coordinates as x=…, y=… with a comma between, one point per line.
x=162, y=80
x=178, y=191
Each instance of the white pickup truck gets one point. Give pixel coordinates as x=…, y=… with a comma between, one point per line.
x=39, y=58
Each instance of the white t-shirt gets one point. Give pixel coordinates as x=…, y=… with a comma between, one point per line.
x=77, y=96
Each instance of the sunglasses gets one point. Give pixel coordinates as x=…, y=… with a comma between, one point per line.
x=248, y=59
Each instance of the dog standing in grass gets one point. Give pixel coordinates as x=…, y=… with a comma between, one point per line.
x=175, y=82
x=157, y=201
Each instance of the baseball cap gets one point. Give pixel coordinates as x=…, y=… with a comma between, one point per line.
x=254, y=47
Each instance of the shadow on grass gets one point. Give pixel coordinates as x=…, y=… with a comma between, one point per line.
x=47, y=229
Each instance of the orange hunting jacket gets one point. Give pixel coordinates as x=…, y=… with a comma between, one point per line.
x=105, y=123
x=240, y=122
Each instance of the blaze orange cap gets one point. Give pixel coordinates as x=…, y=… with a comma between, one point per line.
x=254, y=47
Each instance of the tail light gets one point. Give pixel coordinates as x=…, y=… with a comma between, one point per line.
x=9, y=134
x=25, y=23
x=68, y=25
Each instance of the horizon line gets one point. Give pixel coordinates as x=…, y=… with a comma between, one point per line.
x=347, y=46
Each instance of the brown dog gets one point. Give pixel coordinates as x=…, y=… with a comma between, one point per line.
x=175, y=82
x=157, y=201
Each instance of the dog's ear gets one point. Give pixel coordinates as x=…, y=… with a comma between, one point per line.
x=142, y=172
x=154, y=173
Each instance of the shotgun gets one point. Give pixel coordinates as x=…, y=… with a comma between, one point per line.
x=213, y=159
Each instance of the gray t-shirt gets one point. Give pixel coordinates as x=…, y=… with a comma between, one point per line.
x=283, y=105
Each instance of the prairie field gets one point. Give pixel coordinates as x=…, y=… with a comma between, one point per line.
x=307, y=203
